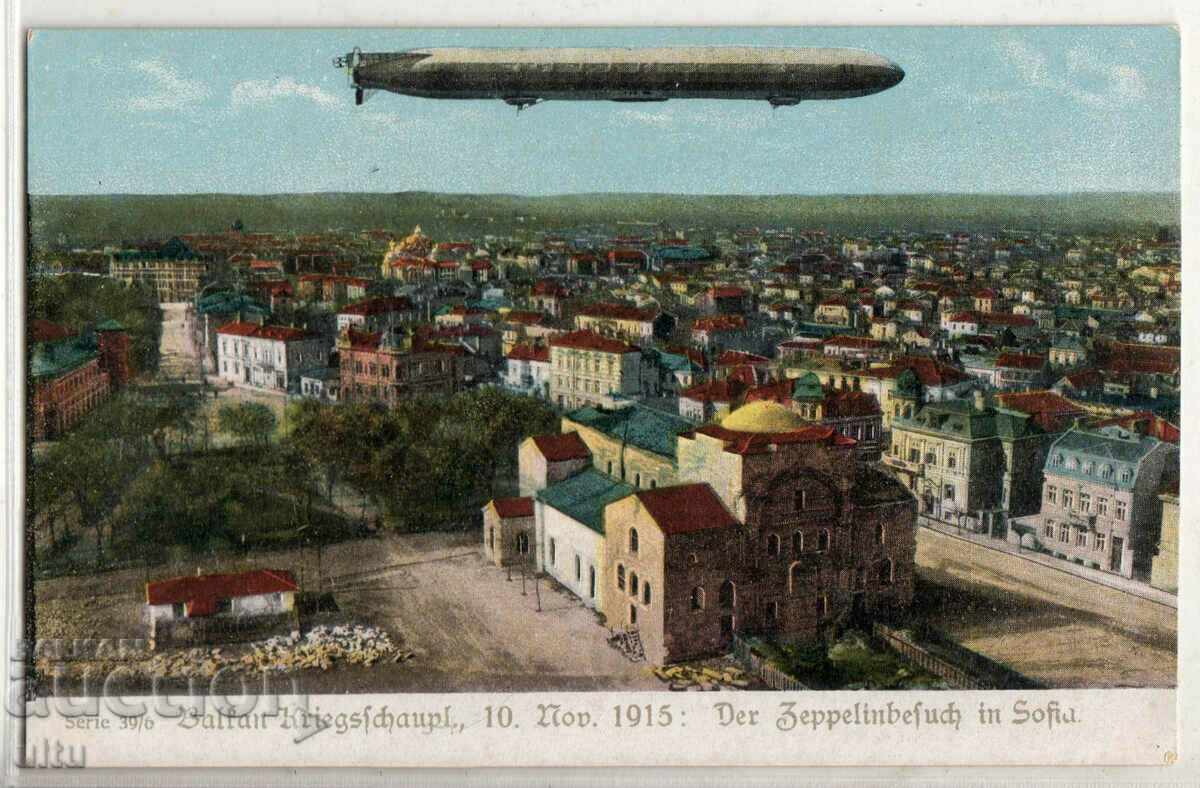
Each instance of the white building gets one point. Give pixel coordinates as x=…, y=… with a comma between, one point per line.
x=272, y=358
x=258, y=592
x=527, y=370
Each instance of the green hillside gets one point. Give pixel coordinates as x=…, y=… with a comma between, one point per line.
x=112, y=218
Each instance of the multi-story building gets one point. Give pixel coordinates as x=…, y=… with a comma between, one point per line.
x=770, y=528
x=272, y=358
x=1164, y=567
x=172, y=273
x=589, y=369
x=632, y=324
x=1100, y=501
x=375, y=314
x=398, y=364
x=970, y=463
x=70, y=374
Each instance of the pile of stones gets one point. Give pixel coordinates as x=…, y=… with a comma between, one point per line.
x=703, y=678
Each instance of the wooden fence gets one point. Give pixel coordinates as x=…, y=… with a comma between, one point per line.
x=922, y=658
x=772, y=676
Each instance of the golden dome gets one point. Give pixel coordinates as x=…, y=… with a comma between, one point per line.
x=762, y=416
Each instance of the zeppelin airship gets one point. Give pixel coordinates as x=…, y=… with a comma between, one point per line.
x=783, y=76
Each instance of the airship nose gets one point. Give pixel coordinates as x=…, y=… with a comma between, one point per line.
x=895, y=74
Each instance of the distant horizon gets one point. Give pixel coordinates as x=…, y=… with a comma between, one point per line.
x=526, y=196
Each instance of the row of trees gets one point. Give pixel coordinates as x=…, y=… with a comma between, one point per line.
x=427, y=463
x=76, y=301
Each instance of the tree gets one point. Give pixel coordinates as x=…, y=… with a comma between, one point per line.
x=249, y=421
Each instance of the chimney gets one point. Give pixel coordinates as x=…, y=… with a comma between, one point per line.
x=980, y=400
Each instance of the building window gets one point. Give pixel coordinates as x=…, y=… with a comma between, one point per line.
x=1120, y=510
x=1049, y=529
x=697, y=598
x=822, y=607
x=914, y=455
x=1106, y=471
x=951, y=461
x=1068, y=499
x=633, y=584
x=1102, y=506
x=1058, y=461
x=653, y=484
x=610, y=467
x=772, y=611
x=1100, y=541
x=553, y=551
x=578, y=569
x=621, y=577
x=645, y=593
x=885, y=573
x=930, y=458
x=637, y=480
x=948, y=492
x=1081, y=537
x=822, y=541
x=692, y=559
x=772, y=545
x=633, y=614
x=801, y=500
x=1064, y=534
x=492, y=538
x=1085, y=502
x=633, y=540
x=726, y=595
x=1051, y=493
x=1089, y=467
x=522, y=543
x=797, y=542
x=879, y=532
x=591, y=581
x=1126, y=476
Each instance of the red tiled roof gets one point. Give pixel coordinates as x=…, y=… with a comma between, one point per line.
x=844, y=403
x=530, y=352
x=1151, y=423
x=525, y=318
x=45, y=331
x=855, y=342
x=563, y=446
x=619, y=312
x=715, y=391
x=278, y=333
x=928, y=371
x=377, y=306
x=1038, y=402
x=685, y=508
x=692, y=354
x=728, y=292
x=720, y=323
x=1020, y=361
x=548, y=287
x=780, y=391
x=513, y=507
x=200, y=593
x=590, y=340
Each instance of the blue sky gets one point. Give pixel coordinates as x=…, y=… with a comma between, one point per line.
x=1011, y=110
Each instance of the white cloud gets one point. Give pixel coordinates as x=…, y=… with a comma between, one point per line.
x=1123, y=83
x=260, y=91
x=168, y=89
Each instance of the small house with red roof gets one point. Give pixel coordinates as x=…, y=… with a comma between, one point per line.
x=508, y=531
x=220, y=607
x=547, y=459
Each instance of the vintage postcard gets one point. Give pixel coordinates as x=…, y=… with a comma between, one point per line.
x=522, y=397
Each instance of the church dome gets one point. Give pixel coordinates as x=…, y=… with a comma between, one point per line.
x=762, y=416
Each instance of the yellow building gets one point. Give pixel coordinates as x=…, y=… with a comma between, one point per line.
x=1164, y=567
x=589, y=369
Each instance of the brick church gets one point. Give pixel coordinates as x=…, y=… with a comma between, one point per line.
x=767, y=527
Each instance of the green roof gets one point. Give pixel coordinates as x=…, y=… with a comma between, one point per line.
x=645, y=428
x=961, y=419
x=111, y=325
x=582, y=497
x=225, y=302
x=674, y=362
x=808, y=386
x=54, y=359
